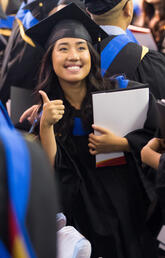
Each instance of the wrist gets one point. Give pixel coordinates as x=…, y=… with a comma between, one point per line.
x=121, y=144
x=45, y=125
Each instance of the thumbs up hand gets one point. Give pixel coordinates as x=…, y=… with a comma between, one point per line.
x=52, y=110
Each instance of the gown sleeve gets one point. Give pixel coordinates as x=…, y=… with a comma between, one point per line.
x=151, y=70
x=138, y=138
x=160, y=185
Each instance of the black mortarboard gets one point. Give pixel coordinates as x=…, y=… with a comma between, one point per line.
x=2, y=14
x=79, y=3
x=13, y=6
x=71, y=22
x=100, y=6
x=41, y=8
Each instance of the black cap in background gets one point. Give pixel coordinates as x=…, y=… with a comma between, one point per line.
x=70, y=21
x=41, y=8
x=100, y=6
x=79, y=3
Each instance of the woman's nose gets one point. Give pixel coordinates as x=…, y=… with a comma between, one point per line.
x=73, y=55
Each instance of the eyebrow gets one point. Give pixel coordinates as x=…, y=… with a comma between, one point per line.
x=66, y=43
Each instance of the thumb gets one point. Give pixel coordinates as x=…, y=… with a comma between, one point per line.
x=44, y=96
x=100, y=129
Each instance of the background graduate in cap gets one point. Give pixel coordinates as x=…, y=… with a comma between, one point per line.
x=107, y=205
x=22, y=57
x=136, y=62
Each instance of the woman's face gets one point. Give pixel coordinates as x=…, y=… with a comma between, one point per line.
x=71, y=59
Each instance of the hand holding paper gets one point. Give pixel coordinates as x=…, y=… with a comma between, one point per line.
x=106, y=141
x=118, y=112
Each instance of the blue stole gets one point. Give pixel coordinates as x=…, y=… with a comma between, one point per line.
x=18, y=175
x=26, y=17
x=112, y=49
x=131, y=36
x=7, y=23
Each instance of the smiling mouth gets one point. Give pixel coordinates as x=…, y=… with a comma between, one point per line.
x=73, y=68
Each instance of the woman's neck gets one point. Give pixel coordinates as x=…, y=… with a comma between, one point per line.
x=74, y=92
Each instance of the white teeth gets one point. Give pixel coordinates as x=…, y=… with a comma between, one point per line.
x=73, y=68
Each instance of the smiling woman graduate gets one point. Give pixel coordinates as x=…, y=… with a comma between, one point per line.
x=107, y=205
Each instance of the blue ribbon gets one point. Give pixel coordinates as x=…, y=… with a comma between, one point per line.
x=122, y=82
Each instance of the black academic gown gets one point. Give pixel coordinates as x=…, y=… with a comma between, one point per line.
x=160, y=184
x=20, y=64
x=160, y=189
x=3, y=41
x=3, y=44
x=107, y=205
x=42, y=204
x=151, y=69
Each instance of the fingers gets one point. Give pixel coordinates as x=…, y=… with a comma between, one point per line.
x=91, y=145
x=94, y=139
x=55, y=112
x=93, y=151
x=28, y=113
x=100, y=129
x=44, y=96
x=59, y=105
x=60, y=112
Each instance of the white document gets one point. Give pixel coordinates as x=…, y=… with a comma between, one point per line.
x=143, y=36
x=161, y=235
x=161, y=246
x=121, y=112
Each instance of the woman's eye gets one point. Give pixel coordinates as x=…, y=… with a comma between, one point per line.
x=63, y=49
x=82, y=48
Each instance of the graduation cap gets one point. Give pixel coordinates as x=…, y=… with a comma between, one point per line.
x=79, y=3
x=13, y=6
x=100, y=6
x=41, y=8
x=71, y=22
x=2, y=14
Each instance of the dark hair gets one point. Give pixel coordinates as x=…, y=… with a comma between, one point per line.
x=159, y=28
x=95, y=82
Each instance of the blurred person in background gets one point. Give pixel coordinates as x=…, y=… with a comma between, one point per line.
x=118, y=53
x=154, y=18
x=137, y=4
x=22, y=57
